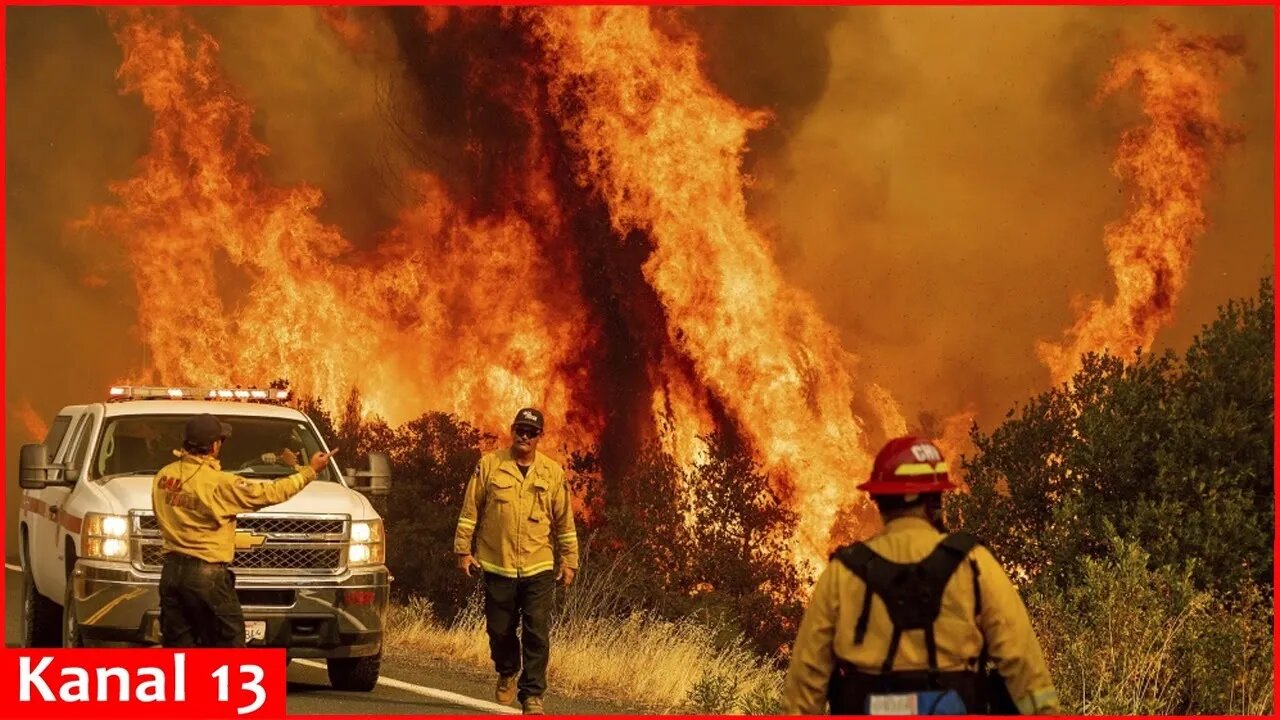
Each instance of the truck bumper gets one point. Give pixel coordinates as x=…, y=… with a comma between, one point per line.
x=323, y=617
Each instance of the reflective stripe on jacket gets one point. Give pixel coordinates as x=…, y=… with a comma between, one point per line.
x=827, y=631
x=518, y=524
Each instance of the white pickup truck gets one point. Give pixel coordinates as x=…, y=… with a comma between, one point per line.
x=310, y=572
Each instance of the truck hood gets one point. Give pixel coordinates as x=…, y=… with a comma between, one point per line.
x=133, y=492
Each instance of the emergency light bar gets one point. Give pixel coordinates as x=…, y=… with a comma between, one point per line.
x=131, y=392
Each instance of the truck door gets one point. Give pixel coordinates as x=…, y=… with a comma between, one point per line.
x=32, y=509
x=46, y=538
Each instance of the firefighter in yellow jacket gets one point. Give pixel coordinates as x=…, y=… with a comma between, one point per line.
x=908, y=622
x=196, y=504
x=518, y=511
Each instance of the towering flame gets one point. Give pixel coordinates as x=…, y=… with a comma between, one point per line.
x=32, y=424
x=482, y=306
x=664, y=149
x=1166, y=166
x=586, y=249
x=238, y=281
x=346, y=26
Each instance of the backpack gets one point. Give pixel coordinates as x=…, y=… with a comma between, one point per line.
x=912, y=594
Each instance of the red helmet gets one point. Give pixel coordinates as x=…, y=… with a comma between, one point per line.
x=908, y=466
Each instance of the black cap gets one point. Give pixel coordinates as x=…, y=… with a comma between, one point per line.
x=529, y=416
x=203, y=430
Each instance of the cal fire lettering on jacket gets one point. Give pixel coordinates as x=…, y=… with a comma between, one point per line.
x=77, y=688
x=174, y=496
x=186, y=501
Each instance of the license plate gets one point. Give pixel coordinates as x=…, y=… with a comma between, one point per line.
x=255, y=630
x=892, y=704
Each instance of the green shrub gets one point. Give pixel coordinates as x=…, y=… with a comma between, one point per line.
x=715, y=693
x=1126, y=639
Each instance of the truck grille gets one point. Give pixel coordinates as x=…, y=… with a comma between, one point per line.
x=268, y=525
x=293, y=544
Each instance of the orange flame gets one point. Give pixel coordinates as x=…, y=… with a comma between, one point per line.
x=30, y=420
x=480, y=306
x=448, y=313
x=435, y=17
x=478, y=311
x=953, y=439
x=346, y=26
x=1166, y=165
x=664, y=148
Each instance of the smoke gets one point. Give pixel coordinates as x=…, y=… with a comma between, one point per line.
x=945, y=199
x=68, y=314
x=321, y=108
x=767, y=57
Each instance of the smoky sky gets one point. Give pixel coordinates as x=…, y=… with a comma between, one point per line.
x=945, y=199
x=937, y=178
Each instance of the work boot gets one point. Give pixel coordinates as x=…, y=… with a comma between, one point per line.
x=506, y=690
x=532, y=705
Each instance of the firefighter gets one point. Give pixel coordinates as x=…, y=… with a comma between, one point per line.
x=518, y=510
x=906, y=622
x=195, y=504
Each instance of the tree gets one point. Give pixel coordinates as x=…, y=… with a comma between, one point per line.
x=1174, y=453
x=432, y=458
x=741, y=528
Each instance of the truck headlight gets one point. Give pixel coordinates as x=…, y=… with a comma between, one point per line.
x=367, y=546
x=106, y=537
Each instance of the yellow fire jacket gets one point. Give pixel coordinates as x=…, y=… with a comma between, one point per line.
x=516, y=521
x=196, y=504
x=827, y=631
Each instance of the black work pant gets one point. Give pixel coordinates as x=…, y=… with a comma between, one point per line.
x=524, y=602
x=198, y=604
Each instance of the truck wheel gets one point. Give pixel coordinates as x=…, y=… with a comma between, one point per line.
x=355, y=673
x=71, y=636
x=41, y=617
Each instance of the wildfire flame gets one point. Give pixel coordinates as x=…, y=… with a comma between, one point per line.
x=30, y=420
x=601, y=265
x=448, y=312
x=480, y=313
x=346, y=26
x=1166, y=165
x=664, y=148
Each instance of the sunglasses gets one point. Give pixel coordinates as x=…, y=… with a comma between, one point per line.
x=526, y=432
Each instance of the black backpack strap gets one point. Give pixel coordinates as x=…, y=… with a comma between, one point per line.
x=912, y=592
x=931, y=646
x=984, y=690
x=961, y=543
x=860, y=631
x=857, y=558
x=887, y=667
x=935, y=573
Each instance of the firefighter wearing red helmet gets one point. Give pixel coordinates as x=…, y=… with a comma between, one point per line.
x=909, y=621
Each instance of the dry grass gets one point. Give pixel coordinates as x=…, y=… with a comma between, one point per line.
x=639, y=661
x=634, y=659
x=1126, y=640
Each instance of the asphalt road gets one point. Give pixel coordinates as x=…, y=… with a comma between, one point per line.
x=407, y=687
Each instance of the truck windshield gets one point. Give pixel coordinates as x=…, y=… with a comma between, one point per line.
x=142, y=444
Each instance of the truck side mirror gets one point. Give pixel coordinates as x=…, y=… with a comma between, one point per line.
x=34, y=467
x=378, y=476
